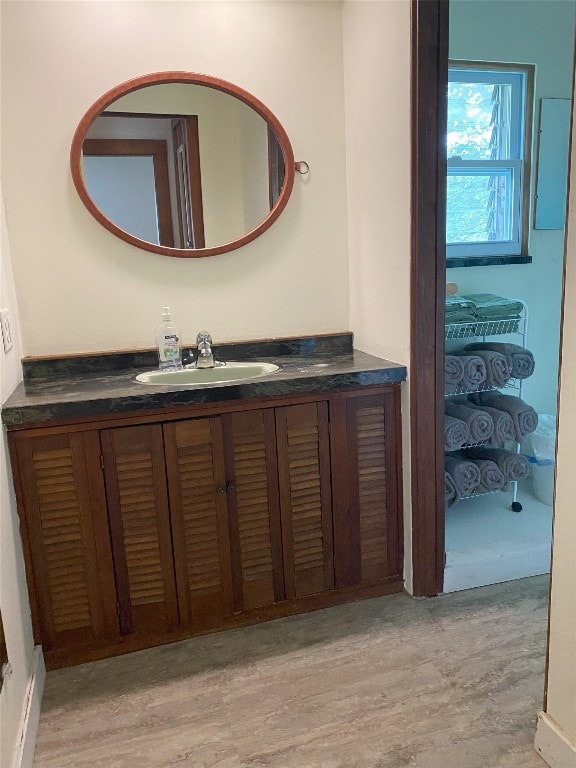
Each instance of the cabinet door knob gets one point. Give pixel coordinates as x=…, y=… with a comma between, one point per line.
x=230, y=487
x=220, y=489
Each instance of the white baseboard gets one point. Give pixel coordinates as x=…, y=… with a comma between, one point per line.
x=24, y=752
x=553, y=743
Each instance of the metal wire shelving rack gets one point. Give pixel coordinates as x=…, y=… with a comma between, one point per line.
x=482, y=330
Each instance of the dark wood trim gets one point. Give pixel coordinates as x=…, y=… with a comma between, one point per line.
x=17, y=453
x=428, y=236
x=145, y=115
x=187, y=172
x=34, y=551
x=194, y=79
x=275, y=168
x=323, y=414
x=274, y=512
x=195, y=179
x=157, y=149
x=394, y=500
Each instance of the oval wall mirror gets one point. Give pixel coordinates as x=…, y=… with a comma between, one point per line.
x=182, y=164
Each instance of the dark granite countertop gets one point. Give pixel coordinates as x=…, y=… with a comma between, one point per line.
x=69, y=392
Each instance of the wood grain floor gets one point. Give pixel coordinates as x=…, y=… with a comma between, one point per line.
x=392, y=682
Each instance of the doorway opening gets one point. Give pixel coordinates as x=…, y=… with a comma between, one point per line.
x=464, y=547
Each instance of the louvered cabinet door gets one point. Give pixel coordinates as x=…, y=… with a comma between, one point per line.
x=305, y=498
x=63, y=505
x=253, y=506
x=198, y=505
x=136, y=488
x=365, y=433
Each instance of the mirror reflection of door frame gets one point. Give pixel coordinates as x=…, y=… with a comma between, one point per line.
x=428, y=276
x=275, y=168
x=3, y=654
x=155, y=148
x=186, y=143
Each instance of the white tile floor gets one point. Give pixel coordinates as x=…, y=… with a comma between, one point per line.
x=487, y=543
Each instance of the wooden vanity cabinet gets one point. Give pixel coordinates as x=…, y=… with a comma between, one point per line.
x=304, y=472
x=62, y=503
x=366, y=487
x=223, y=499
x=141, y=537
x=143, y=533
x=250, y=509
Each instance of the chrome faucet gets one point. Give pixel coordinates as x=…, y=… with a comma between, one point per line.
x=205, y=357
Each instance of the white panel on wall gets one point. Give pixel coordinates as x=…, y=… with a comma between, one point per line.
x=552, y=178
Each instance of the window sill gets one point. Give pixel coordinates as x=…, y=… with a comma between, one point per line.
x=485, y=261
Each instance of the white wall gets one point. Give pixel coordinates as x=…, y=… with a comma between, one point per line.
x=57, y=59
x=378, y=125
x=292, y=280
x=556, y=734
x=21, y=692
x=539, y=32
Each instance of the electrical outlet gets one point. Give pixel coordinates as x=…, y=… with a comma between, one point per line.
x=7, y=340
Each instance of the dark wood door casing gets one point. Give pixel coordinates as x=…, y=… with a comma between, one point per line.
x=428, y=274
x=188, y=175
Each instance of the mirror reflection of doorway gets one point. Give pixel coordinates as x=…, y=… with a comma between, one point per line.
x=128, y=181
x=188, y=181
x=143, y=172
x=3, y=654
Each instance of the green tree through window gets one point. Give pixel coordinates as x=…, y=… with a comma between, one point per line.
x=484, y=149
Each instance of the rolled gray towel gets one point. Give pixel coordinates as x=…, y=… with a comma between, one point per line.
x=491, y=476
x=480, y=425
x=513, y=465
x=451, y=495
x=502, y=422
x=464, y=473
x=498, y=371
x=523, y=415
x=474, y=370
x=456, y=433
x=520, y=359
x=453, y=373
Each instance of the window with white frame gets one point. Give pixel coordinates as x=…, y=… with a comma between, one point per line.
x=486, y=140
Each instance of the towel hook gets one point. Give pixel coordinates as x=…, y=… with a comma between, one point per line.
x=302, y=167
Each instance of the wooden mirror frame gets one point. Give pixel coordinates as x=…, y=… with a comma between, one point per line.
x=191, y=78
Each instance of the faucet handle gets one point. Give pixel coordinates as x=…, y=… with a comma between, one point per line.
x=203, y=338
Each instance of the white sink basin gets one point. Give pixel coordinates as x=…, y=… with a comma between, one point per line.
x=188, y=377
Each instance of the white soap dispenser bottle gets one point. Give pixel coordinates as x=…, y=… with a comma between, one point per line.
x=168, y=343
